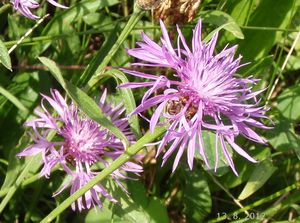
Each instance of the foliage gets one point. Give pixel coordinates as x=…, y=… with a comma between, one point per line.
x=79, y=51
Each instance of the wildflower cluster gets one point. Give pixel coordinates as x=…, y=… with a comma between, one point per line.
x=81, y=146
x=203, y=93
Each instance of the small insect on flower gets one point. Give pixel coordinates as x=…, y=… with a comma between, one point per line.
x=203, y=94
x=174, y=107
x=148, y=4
x=83, y=146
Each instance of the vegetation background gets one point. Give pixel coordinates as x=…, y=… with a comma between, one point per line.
x=88, y=42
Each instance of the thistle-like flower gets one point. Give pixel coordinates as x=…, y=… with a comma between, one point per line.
x=204, y=93
x=82, y=148
x=24, y=7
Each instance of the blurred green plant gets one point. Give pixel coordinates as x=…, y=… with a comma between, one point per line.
x=87, y=43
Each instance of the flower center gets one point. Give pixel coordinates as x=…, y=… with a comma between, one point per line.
x=174, y=107
x=84, y=141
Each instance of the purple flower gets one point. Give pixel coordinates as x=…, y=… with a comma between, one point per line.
x=24, y=7
x=81, y=146
x=202, y=94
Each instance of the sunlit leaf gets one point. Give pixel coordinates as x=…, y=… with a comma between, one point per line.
x=223, y=21
x=4, y=56
x=262, y=172
x=196, y=196
x=289, y=103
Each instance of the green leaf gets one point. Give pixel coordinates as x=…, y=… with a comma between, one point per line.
x=258, y=178
x=268, y=13
x=98, y=58
x=86, y=104
x=97, y=19
x=17, y=172
x=239, y=10
x=293, y=63
x=155, y=211
x=13, y=99
x=223, y=21
x=196, y=197
x=135, y=208
x=95, y=216
x=14, y=164
x=134, y=19
x=289, y=103
x=283, y=137
x=4, y=56
x=245, y=168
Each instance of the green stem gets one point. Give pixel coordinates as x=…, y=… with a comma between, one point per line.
x=131, y=151
x=236, y=201
x=4, y=161
x=134, y=19
x=27, y=33
x=26, y=182
x=4, y=8
x=265, y=28
x=14, y=187
x=32, y=40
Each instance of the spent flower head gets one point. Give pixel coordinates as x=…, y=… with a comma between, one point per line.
x=82, y=147
x=25, y=7
x=203, y=94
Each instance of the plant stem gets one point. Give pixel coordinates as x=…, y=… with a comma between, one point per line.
x=27, y=33
x=4, y=8
x=131, y=151
x=134, y=19
x=269, y=95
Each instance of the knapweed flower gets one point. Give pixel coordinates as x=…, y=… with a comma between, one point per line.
x=81, y=146
x=203, y=94
x=24, y=7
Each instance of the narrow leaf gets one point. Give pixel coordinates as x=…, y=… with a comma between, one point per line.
x=32, y=162
x=289, y=102
x=223, y=21
x=4, y=56
x=196, y=198
x=260, y=175
x=134, y=19
x=13, y=99
x=269, y=13
x=96, y=61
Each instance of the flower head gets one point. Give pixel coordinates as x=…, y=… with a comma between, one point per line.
x=82, y=145
x=24, y=7
x=204, y=93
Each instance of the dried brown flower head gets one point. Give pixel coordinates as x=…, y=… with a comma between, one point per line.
x=176, y=11
x=148, y=4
